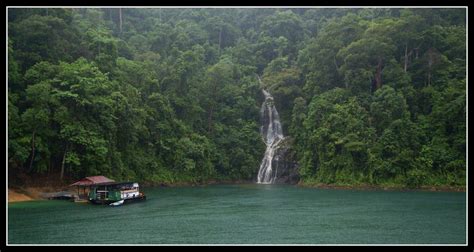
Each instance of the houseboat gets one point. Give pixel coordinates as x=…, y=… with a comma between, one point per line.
x=114, y=193
x=102, y=190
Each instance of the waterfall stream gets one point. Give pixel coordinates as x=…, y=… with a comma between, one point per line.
x=272, y=135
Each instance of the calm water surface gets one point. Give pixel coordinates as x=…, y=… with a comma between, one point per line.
x=247, y=214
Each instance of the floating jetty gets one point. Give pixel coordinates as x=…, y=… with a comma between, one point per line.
x=64, y=195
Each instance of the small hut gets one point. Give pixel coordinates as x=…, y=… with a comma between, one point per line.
x=85, y=185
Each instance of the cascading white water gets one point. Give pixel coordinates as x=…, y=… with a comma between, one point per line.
x=272, y=134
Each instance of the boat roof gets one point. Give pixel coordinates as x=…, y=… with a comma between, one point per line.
x=93, y=180
x=114, y=183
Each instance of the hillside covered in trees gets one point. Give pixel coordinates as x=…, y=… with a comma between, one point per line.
x=367, y=96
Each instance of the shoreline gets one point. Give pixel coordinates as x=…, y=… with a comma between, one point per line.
x=385, y=188
x=32, y=193
x=196, y=184
x=16, y=196
x=321, y=186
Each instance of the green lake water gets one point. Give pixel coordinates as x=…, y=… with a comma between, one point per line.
x=247, y=214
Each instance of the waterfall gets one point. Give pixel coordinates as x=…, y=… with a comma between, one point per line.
x=272, y=135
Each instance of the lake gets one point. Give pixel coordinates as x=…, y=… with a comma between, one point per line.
x=247, y=214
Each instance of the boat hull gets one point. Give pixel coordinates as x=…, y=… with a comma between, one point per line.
x=125, y=201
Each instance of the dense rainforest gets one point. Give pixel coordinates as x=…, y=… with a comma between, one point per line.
x=367, y=96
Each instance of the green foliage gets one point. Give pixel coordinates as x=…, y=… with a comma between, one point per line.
x=387, y=106
x=416, y=178
x=43, y=38
x=368, y=96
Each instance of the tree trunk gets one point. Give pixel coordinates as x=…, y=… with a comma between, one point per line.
x=430, y=64
x=211, y=110
x=120, y=18
x=220, y=40
x=378, y=74
x=32, y=150
x=406, y=58
x=62, y=164
x=209, y=120
x=372, y=84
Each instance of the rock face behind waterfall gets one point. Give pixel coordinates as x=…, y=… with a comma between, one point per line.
x=284, y=163
x=276, y=165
